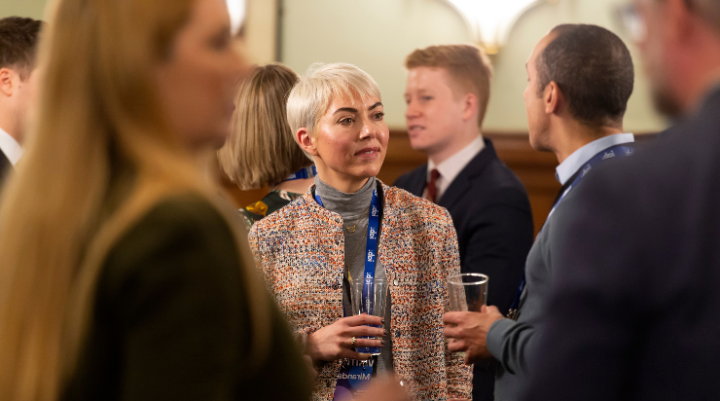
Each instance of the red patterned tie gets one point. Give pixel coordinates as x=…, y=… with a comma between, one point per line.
x=431, y=186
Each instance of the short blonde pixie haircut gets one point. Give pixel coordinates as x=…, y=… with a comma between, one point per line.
x=468, y=65
x=311, y=96
x=260, y=150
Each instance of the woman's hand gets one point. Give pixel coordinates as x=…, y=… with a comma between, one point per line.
x=384, y=389
x=335, y=341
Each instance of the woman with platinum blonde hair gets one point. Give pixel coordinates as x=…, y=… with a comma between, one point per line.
x=349, y=225
x=123, y=276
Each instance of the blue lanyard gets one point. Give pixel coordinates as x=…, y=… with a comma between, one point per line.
x=612, y=152
x=370, y=250
x=302, y=174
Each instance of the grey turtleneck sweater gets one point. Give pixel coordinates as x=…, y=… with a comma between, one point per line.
x=354, y=208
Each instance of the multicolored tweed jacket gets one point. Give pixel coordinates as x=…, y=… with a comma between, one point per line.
x=301, y=251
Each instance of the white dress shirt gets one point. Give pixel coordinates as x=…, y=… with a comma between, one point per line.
x=578, y=158
x=10, y=147
x=450, y=168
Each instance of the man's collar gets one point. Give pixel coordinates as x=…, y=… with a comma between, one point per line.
x=453, y=165
x=578, y=158
x=9, y=146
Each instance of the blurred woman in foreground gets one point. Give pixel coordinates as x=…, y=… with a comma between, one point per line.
x=122, y=276
x=260, y=150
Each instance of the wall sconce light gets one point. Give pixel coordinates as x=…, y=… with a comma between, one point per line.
x=490, y=21
x=237, y=11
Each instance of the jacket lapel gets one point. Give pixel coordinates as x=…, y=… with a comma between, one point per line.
x=388, y=226
x=565, y=187
x=462, y=182
x=417, y=183
x=5, y=166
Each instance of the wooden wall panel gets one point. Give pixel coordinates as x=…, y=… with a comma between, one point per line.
x=535, y=169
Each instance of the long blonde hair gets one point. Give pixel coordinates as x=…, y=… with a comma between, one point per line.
x=261, y=150
x=98, y=115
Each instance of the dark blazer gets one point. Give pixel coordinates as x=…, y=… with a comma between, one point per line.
x=492, y=217
x=171, y=318
x=634, y=311
x=5, y=167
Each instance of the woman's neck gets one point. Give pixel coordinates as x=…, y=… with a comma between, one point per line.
x=348, y=205
x=348, y=185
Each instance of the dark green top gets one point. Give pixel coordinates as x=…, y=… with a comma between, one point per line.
x=271, y=203
x=171, y=319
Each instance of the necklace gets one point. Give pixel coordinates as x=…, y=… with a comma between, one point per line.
x=352, y=228
x=357, y=250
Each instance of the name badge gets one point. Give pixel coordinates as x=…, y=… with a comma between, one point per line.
x=354, y=376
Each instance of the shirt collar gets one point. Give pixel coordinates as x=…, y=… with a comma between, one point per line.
x=9, y=146
x=450, y=168
x=575, y=161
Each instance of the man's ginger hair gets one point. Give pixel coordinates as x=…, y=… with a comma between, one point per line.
x=468, y=66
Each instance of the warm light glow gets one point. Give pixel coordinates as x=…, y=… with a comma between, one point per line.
x=490, y=21
x=237, y=14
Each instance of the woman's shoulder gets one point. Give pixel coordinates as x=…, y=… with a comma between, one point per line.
x=183, y=239
x=269, y=204
x=182, y=211
x=185, y=222
x=291, y=212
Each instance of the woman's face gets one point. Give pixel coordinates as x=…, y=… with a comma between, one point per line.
x=350, y=141
x=197, y=82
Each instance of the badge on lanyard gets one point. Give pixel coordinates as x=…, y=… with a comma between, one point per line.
x=354, y=376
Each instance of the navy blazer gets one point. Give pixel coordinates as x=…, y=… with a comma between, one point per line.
x=5, y=167
x=491, y=213
x=635, y=309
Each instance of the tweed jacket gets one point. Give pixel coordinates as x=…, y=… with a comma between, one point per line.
x=300, y=249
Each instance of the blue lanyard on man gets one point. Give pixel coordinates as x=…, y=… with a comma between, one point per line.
x=612, y=152
x=353, y=375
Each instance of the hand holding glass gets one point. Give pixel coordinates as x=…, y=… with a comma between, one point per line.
x=371, y=300
x=467, y=292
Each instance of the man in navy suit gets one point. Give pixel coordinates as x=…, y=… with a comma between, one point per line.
x=634, y=312
x=18, y=39
x=580, y=78
x=448, y=89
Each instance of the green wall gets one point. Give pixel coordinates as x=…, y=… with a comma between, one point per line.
x=23, y=8
x=376, y=35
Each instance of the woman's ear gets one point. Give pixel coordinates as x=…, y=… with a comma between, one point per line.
x=306, y=142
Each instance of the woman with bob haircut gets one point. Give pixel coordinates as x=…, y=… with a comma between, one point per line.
x=260, y=150
x=122, y=276
x=311, y=249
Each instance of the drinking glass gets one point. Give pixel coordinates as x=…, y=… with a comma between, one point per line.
x=369, y=300
x=467, y=292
